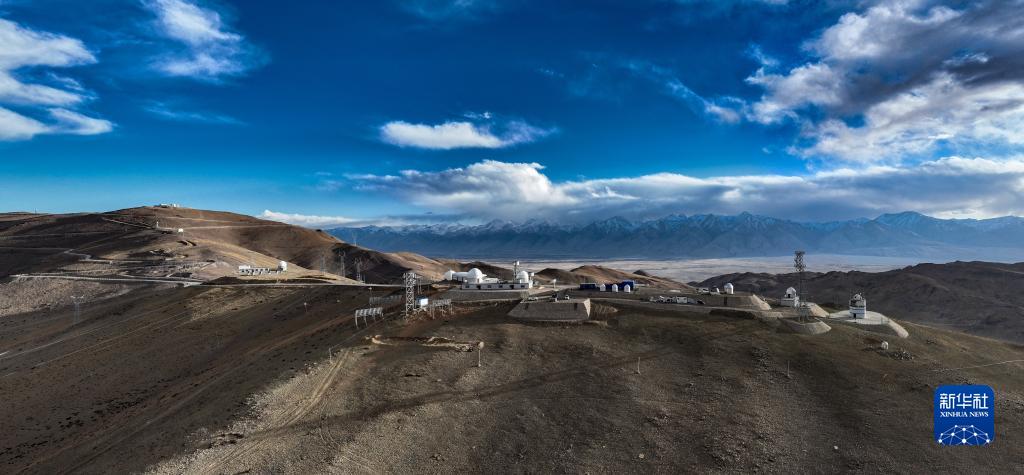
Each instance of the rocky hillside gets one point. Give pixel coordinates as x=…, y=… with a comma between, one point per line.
x=219, y=240
x=982, y=298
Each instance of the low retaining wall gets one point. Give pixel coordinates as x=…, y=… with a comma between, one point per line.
x=814, y=327
x=470, y=295
x=552, y=311
x=888, y=328
x=817, y=311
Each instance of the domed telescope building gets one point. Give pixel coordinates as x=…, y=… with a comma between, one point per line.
x=475, y=279
x=790, y=298
x=858, y=306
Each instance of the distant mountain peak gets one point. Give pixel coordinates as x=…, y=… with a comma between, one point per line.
x=702, y=235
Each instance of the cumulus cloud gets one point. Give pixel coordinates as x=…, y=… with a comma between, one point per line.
x=462, y=134
x=902, y=79
x=305, y=220
x=328, y=222
x=22, y=103
x=208, y=48
x=978, y=187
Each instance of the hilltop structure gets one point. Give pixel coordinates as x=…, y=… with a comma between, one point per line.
x=790, y=298
x=475, y=279
x=858, y=306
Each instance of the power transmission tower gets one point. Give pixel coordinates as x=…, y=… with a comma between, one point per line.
x=410, y=293
x=359, y=269
x=798, y=264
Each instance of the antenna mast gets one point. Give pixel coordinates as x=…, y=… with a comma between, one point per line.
x=77, y=299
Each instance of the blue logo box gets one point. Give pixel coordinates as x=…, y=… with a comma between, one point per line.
x=964, y=415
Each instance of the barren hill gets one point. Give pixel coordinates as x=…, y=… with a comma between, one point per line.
x=162, y=378
x=227, y=380
x=216, y=242
x=982, y=298
x=600, y=274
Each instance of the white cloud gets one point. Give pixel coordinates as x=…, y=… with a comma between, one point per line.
x=902, y=79
x=959, y=186
x=22, y=47
x=309, y=221
x=461, y=134
x=210, y=50
x=328, y=222
x=14, y=126
x=437, y=10
x=165, y=111
x=71, y=122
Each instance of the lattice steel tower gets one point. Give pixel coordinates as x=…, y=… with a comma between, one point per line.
x=410, y=292
x=798, y=264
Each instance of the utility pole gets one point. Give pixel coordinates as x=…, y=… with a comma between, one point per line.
x=77, y=300
x=341, y=258
x=359, y=269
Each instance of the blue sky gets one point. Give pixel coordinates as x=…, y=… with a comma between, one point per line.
x=400, y=111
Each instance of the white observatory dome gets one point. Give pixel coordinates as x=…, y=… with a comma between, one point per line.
x=282, y=266
x=790, y=291
x=475, y=273
x=450, y=275
x=523, y=277
x=728, y=288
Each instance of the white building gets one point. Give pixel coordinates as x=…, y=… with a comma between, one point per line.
x=790, y=298
x=728, y=288
x=475, y=279
x=858, y=306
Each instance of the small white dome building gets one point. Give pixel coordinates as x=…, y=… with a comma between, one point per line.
x=728, y=288
x=615, y=287
x=475, y=275
x=790, y=298
x=858, y=306
x=282, y=266
x=475, y=279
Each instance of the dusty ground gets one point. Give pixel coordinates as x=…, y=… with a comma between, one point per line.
x=218, y=380
x=129, y=384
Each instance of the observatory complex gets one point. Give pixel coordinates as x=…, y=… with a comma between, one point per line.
x=246, y=269
x=475, y=279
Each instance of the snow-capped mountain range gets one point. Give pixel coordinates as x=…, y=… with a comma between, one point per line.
x=906, y=234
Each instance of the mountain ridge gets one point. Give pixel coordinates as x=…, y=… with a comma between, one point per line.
x=909, y=234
